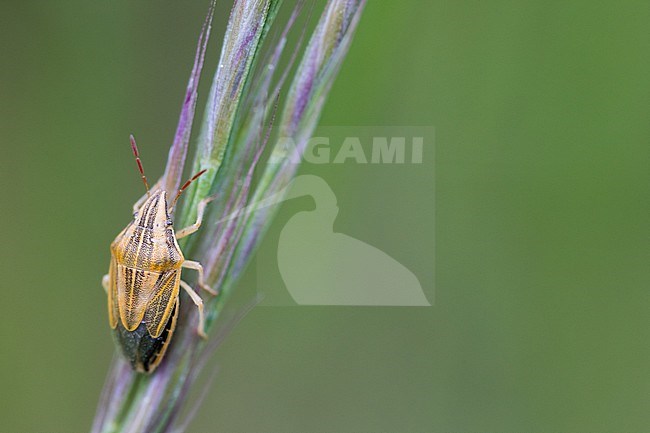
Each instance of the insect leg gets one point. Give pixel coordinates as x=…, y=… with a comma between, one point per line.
x=200, y=209
x=199, y=304
x=105, y=283
x=190, y=264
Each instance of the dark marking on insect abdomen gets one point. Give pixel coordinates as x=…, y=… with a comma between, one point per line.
x=142, y=350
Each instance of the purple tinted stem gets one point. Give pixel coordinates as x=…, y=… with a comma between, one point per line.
x=178, y=150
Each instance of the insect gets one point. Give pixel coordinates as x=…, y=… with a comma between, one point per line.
x=144, y=278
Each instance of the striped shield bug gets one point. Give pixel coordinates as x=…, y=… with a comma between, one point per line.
x=144, y=276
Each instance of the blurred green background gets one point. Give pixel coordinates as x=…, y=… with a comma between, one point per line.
x=540, y=318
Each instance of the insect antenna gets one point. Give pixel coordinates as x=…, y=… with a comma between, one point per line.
x=185, y=185
x=136, y=154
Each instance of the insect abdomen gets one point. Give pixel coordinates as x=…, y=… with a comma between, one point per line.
x=143, y=351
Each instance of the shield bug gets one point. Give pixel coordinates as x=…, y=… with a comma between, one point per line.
x=144, y=277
